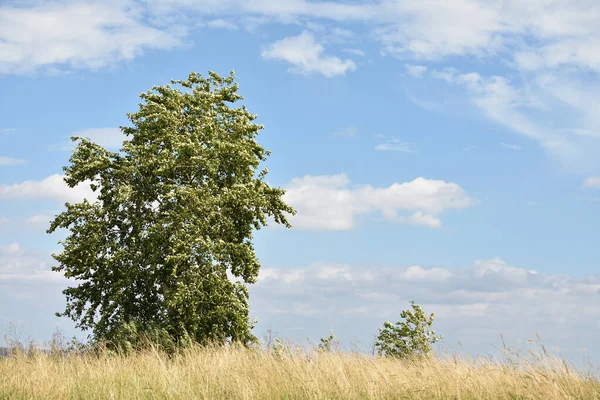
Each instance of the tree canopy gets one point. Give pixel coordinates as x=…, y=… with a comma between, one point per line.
x=167, y=244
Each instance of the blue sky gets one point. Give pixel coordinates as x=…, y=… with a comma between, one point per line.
x=435, y=152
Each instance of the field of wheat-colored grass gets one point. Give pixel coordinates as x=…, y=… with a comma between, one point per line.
x=238, y=373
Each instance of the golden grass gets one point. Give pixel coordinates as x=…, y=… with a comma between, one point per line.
x=234, y=373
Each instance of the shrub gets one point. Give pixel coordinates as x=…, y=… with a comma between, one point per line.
x=408, y=338
x=328, y=344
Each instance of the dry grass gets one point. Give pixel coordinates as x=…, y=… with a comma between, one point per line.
x=233, y=373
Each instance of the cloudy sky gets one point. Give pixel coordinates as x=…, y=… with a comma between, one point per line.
x=445, y=152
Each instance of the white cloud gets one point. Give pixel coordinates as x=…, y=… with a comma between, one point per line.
x=576, y=51
x=566, y=34
x=356, y=52
x=111, y=138
x=11, y=161
x=349, y=131
x=530, y=112
x=499, y=269
x=575, y=98
x=327, y=203
x=283, y=10
x=510, y=146
x=342, y=36
x=330, y=34
x=592, y=182
x=415, y=71
x=425, y=29
x=582, y=132
x=420, y=218
x=51, y=188
x=424, y=104
x=394, y=144
x=447, y=74
x=473, y=304
x=39, y=219
x=432, y=29
x=7, y=131
x=221, y=23
x=19, y=265
x=77, y=35
x=418, y=273
x=402, y=147
x=107, y=137
x=306, y=56
x=342, y=33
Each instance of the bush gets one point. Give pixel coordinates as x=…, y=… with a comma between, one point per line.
x=409, y=338
x=328, y=344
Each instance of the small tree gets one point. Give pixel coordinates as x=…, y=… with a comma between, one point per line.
x=155, y=253
x=328, y=344
x=409, y=338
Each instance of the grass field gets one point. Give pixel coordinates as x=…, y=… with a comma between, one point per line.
x=234, y=373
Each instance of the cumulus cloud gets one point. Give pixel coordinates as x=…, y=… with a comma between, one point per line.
x=92, y=34
x=51, y=188
x=554, y=53
x=565, y=34
x=420, y=218
x=432, y=29
x=473, y=304
x=19, y=265
x=328, y=203
x=306, y=56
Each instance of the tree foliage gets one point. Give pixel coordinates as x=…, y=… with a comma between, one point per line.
x=328, y=344
x=408, y=338
x=166, y=248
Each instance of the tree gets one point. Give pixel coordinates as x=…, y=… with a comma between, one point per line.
x=328, y=344
x=167, y=245
x=407, y=338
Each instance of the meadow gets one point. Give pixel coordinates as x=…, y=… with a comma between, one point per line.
x=289, y=372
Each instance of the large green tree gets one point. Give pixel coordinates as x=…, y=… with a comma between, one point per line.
x=167, y=244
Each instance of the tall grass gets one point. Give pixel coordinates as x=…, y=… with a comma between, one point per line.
x=289, y=373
